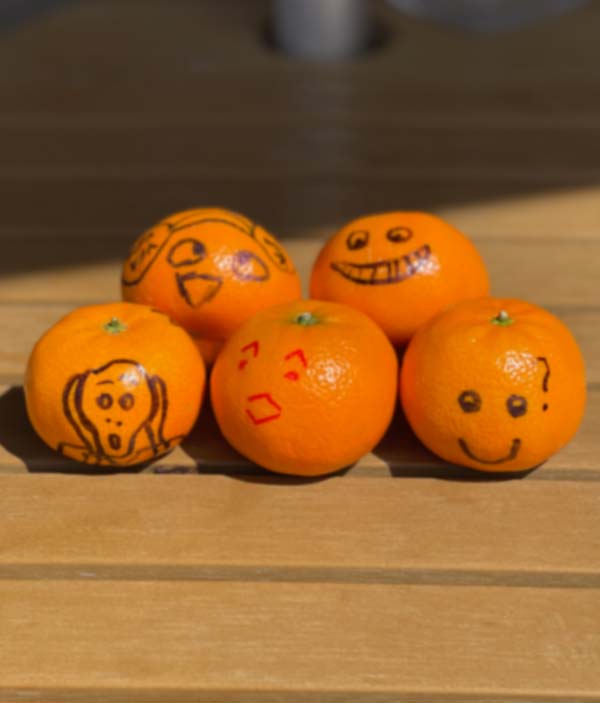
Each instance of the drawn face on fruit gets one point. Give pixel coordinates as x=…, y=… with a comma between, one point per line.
x=381, y=250
x=268, y=397
x=116, y=410
x=492, y=428
x=203, y=249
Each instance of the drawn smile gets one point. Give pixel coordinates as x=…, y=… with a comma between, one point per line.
x=378, y=273
x=514, y=450
x=265, y=411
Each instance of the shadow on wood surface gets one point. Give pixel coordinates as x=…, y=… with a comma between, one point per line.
x=18, y=437
x=399, y=454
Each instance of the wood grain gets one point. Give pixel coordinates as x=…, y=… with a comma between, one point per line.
x=264, y=529
x=234, y=641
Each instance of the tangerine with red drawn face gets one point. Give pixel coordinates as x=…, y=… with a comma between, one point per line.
x=209, y=269
x=494, y=384
x=305, y=388
x=400, y=268
x=114, y=385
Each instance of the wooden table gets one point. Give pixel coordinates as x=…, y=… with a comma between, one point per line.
x=403, y=579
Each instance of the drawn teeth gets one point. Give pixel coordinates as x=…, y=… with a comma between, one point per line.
x=384, y=272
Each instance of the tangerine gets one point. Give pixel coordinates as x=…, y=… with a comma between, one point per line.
x=209, y=269
x=494, y=384
x=114, y=385
x=400, y=268
x=305, y=388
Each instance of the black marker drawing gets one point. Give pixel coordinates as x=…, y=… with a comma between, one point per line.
x=470, y=401
x=186, y=252
x=516, y=405
x=191, y=251
x=546, y=378
x=514, y=450
x=358, y=239
x=399, y=234
x=118, y=412
x=142, y=255
x=198, y=288
x=247, y=266
x=378, y=273
x=268, y=244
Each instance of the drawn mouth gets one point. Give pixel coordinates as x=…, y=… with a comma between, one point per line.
x=266, y=409
x=379, y=273
x=114, y=442
x=198, y=288
x=514, y=450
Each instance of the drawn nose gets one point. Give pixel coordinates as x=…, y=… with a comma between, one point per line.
x=114, y=441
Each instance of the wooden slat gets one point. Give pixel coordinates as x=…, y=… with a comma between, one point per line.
x=24, y=323
x=550, y=273
x=150, y=641
x=206, y=451
x=367, y=531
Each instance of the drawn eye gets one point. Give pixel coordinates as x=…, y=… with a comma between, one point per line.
x=299, y=354
x=186, y=253
x=104, y=401
x=357, y=239
x=516, y=405
x=127, y=401
x=399, y=234
x=247, y=266
x=253, y=348
x=469, y=401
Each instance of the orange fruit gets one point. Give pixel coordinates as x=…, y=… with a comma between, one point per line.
x=400, y=268
x=114, y=385
x=209, y=269
x=305, y=388
x=494, y=384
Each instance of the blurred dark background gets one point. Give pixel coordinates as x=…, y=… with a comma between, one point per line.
x=114, y=113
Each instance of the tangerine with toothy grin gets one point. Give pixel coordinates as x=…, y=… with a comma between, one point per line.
x=400, y=268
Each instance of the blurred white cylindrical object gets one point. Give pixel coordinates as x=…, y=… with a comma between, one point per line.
x=321, y=30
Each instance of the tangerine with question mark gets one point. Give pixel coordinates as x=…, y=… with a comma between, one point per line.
x=494, y=384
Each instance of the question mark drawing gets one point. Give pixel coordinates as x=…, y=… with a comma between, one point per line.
x=546, y=378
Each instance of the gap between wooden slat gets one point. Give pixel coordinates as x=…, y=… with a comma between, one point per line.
x=156, y=695
x=281, y=574
x=427, y=532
